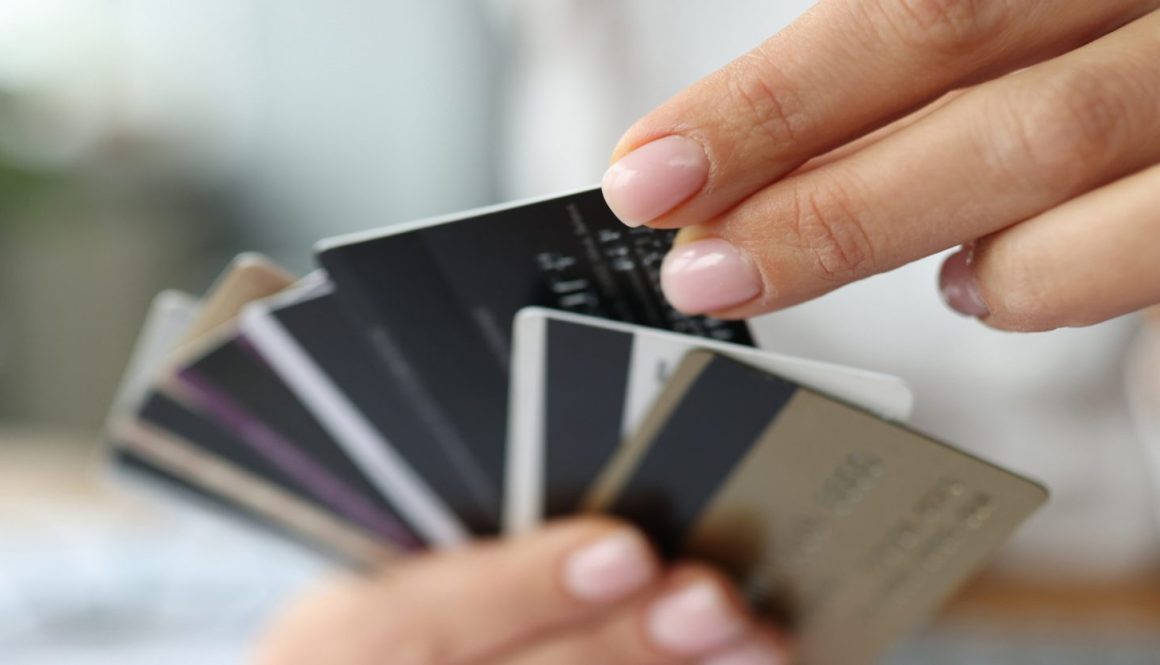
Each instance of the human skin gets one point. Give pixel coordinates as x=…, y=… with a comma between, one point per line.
x=582, y=591
x=871, y=133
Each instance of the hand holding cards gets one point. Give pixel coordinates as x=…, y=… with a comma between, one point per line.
x=386, y=406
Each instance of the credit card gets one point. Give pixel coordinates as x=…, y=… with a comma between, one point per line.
x=851, y=528
x=159, y=456
x=436, y=300
x=154, y=454
x=168, y=321
x=305, y=338
x=249, y=277
x=581, y=385
x=175, y=327
x=231, y=385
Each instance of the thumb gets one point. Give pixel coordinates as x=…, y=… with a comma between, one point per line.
x=463, y=605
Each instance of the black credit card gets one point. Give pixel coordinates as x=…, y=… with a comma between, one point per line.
x=436, y=300
x=307, y=340
x=231, y=386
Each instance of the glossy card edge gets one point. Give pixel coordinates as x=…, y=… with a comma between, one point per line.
x=390, y=473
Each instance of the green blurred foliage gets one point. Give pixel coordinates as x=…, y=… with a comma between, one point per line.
x=21, y=186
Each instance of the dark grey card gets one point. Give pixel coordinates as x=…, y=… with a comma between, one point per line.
x=436, y=302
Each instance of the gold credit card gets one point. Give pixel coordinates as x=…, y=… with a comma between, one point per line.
x=851, y=528
x=249, y=277
x=269, y=504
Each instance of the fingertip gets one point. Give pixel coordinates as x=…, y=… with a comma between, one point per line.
x=691, y=572
x=747, y=641
x=699, y=613
x=608, y=569
x=1000, y=292
x=709, y=275
x=655, y=178
x=959, y=285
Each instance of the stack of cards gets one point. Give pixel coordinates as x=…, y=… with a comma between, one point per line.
x=471, y=376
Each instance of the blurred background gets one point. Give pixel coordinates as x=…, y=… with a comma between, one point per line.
x=144, y=142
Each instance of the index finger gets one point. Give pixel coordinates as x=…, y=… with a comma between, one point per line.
x=844, y=68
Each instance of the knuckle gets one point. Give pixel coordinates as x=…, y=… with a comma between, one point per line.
x=1057, y=134
x=771, y=110
x=828, y=228
x=409, y=635
x=949, y=27
x=376, y=634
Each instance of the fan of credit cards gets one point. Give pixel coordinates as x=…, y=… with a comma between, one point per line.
x=473, y=376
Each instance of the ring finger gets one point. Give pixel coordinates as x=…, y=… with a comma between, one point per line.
x=1089, y=260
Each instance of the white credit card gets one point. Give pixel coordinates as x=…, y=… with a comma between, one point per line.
x=580, y=385
x=168, y=321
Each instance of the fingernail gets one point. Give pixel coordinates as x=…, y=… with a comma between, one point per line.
x=707, y=276
x=609, y=569
x=751, y=654
x=960, y=287
x=651, y=180
x=694, y=621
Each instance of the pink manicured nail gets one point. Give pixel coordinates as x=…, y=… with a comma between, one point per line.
x=610, y=569
x=707, y=276
x=651, y=180
x=694, y=621
x=751, y=654
x=959, y=286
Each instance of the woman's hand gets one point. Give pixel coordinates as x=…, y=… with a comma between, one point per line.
x=584, y=591
x=874, y=132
